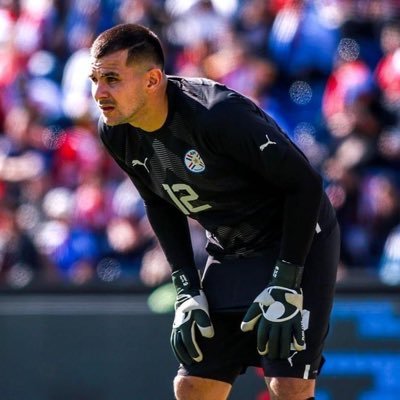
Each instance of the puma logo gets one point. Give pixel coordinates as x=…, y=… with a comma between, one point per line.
x=143, y=164
x=263, y=146
x=290, y=358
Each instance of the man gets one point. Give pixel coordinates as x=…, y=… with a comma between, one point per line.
x=194, y=148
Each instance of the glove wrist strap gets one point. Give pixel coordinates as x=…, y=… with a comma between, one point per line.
x=186, y=280
x=287, y=275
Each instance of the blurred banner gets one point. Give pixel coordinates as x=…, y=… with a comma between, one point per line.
x=108, y=347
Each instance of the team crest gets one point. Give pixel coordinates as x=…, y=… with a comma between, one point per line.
x=194, y=162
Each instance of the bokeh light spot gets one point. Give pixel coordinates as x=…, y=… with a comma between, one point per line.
x=348, y=49
x=300, y=92
x=19, y=275
x=53, y=137
x=108, y=270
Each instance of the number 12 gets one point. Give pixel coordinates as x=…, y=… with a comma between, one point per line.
x=183, y=195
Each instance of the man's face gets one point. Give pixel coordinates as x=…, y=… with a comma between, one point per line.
x=119, y=89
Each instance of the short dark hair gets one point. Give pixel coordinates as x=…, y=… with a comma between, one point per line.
x=141, y=43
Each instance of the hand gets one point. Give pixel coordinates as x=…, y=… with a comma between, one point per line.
x=191, y=317
x=278, y=312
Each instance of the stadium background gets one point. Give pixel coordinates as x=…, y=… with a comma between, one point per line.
x=84, y=289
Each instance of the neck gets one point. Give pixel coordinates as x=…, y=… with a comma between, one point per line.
x=156, y=111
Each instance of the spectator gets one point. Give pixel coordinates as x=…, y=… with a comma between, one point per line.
x=338, y=97
x=387, y=71
x=20, y=261
x=389, y=270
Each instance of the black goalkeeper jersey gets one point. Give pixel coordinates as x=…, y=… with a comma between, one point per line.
x=222, y=161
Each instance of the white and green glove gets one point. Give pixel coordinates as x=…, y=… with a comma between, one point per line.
x=277, y=312
x=191, y=318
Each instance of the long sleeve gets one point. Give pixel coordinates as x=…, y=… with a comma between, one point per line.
x=281, y=171
x=172, y=230
x=169, y=225
x=301, y=208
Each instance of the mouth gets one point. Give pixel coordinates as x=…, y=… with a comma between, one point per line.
x=106, y=107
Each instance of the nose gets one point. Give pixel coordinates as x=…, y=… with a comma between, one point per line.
x=98, y=91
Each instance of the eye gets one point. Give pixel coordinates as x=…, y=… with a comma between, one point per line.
x=93, y=79
x=111, y=79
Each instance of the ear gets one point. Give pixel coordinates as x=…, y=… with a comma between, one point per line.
x=154, y=79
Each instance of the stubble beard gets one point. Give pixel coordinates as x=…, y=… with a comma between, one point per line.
x=121, y=119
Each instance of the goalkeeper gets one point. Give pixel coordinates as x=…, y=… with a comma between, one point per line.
x=195, y=148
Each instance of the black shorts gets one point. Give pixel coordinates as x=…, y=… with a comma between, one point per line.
x=231, y=284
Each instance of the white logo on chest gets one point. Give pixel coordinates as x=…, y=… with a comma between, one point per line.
x=143, y=164
x=263, y=146
x=194, y=162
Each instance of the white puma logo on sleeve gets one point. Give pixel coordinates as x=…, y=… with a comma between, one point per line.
x=263, y=146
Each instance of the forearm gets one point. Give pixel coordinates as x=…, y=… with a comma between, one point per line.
x=171, y=229
x=300, y=219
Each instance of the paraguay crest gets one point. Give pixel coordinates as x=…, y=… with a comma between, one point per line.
x=194, y=162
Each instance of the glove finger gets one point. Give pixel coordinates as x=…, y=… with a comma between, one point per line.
x=204, y=324
x=263, y=333
x=299, y=342
x=174, y=348
x=179, y=349
x=251, y=317
x=188, y=333
x=285, y=340
x=274, y=341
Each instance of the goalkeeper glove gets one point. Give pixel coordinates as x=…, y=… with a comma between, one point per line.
x=278, y=312
x=191, y=317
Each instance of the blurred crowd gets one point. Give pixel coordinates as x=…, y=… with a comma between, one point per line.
x=327, y=70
